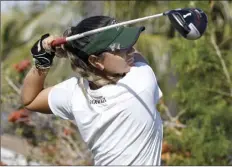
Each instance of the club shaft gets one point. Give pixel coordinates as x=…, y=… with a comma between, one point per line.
x=111, y=26
x=60, y=41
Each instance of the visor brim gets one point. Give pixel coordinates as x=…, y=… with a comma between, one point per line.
x=127, y=38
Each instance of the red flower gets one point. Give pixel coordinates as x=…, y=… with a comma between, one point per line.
x=22, y=66
x=50, y=150
x=68, y=131
x=188, y=154
x=21, y=115
x=166, y=147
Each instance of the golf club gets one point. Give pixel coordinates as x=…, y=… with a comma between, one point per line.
x=191, y=23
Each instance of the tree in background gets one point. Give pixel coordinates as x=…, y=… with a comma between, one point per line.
x=204, y=94
x=195, y=77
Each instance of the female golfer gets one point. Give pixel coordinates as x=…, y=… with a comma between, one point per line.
x=113, y=97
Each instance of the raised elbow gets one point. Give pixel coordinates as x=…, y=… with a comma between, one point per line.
x=25, y=103
x=25, y=100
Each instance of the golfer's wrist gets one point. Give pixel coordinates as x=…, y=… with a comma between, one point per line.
x=40, y=71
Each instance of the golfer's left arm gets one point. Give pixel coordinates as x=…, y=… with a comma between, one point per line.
x=33, y=95
x=138, y=57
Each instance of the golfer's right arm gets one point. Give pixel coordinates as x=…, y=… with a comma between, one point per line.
x=33, y=95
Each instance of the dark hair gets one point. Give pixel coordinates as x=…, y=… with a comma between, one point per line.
x=79, y=59
x=85, y=25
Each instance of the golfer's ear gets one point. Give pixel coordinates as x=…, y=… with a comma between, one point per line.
x=96, y=62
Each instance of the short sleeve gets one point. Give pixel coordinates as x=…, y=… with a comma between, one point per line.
x=160, y=92
x=60, y=99
x=148, y=78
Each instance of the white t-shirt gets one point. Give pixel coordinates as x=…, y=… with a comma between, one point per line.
x=119, y=123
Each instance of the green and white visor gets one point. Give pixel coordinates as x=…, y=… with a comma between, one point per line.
x=113, y=39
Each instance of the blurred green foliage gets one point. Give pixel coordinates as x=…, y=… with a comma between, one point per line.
x=195, y=76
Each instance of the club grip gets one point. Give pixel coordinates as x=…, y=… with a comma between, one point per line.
x=58, y=42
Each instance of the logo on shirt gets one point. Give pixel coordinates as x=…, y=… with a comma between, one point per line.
x=98, y=100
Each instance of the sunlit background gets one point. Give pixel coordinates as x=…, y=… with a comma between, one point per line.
x=195, y=77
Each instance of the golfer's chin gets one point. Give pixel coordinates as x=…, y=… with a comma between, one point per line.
x=130, y=65
x=126, y=69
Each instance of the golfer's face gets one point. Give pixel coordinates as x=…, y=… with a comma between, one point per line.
x=118, y=61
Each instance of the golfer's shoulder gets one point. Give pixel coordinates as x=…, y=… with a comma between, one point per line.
x=63, y=92
x=143, y=70
x=68, y=84
x=141, y=77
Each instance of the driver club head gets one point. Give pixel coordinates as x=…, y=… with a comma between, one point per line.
x=191, y=23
